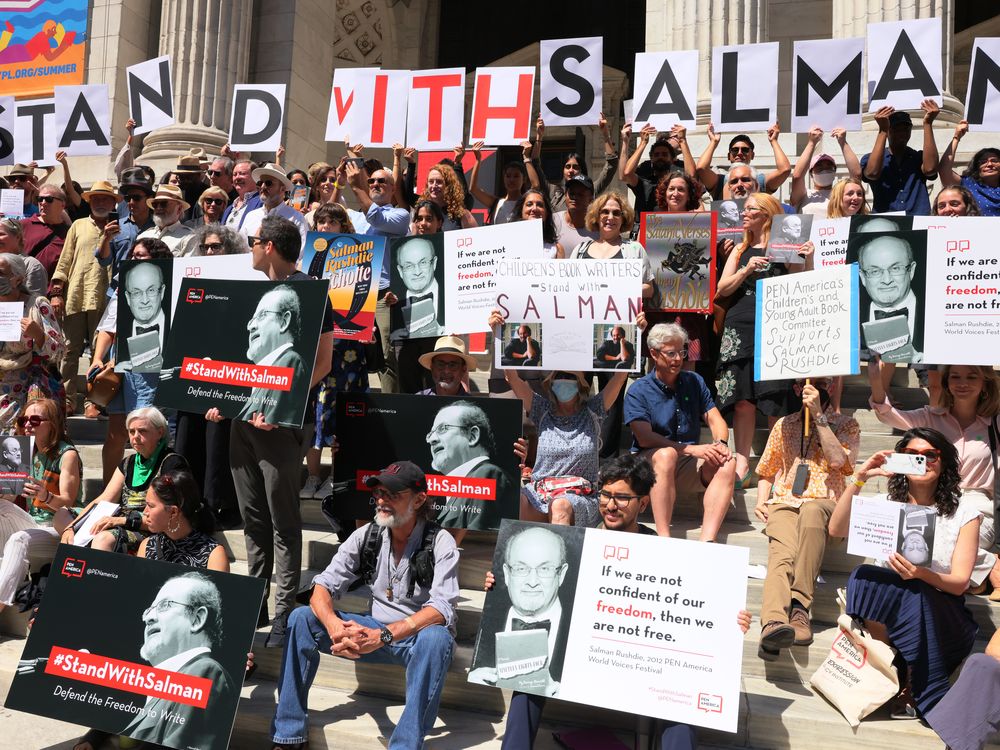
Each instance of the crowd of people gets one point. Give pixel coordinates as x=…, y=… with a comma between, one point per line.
x=691, y=413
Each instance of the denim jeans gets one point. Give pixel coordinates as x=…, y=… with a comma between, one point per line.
x=426, y=657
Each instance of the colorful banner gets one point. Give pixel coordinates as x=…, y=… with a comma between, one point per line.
x=163, y=665
x=681, y=248
x=353, y=264
x=42, y=46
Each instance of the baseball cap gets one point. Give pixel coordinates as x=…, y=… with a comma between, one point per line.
x=741, y=138
x=401, y=475
x=821, y=157
x=900, y=118
x=580, y=179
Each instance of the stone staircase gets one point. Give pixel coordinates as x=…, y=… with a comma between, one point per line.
x=355, y=705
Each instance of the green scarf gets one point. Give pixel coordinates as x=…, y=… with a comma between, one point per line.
x=142, y=469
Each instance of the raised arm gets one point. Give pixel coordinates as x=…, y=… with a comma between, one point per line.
x=628, y=172
x=873, y=169
x=850, y=158
x=929, y=166
x=609, y=393
x=703, y=171
x=487, y=199
x=798, y=192
x=680, y=133
x=782, y=167
x=946, y=167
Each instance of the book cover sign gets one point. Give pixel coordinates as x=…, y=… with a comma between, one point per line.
x=353, y=264
x=164, y=665
x=681, y=248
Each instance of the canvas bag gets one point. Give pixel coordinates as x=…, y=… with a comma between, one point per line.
x=857, y=676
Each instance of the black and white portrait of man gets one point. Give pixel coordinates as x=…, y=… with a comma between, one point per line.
x=144, y=315
x=417, y=284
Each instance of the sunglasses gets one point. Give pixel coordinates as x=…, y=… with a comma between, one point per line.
x=932, y=456
x=135, y=197
x=211, y=246
x=34, y=420
x=377, y=180
x=18, y=178
x=265, y=183
x=215, y=172
x=251, y=241
x=160, y=204
x=213, y=201
x=47, y=199
x=740, y=150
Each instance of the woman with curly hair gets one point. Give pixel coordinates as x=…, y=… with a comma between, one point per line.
x=847, y=198
x=955, y=201
x=918, y=610
x=444, y=189
x=678, y=192
x=981, y=177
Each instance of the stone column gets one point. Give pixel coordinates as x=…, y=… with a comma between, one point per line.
x=209, y=45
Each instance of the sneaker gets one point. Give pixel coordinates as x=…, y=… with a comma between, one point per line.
x=325, y=489
x=279, y=631
x=799, y=620
x=773, y=637
x=263, y=619
x=308, y=491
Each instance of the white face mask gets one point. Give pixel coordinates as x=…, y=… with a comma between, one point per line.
x=823, y=179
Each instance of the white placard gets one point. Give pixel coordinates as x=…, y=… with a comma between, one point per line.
x=35, y=132
x=501, y=106
x=236, y=267
x=904, y=63
x=83, y=120
x=103, y=509
x=745, y=87
x=654, y=624
x=665, y=90
x=807, y=325
x=12, y=203
x=470, y=257
x=257, y=117
x=830, y=239
x=568, y=308
x=572, y=77
x=827, y=75
x=628, y=110
x=879, y=527
x=8, y=112
x=10, y=319
x=379, y=112
x=982, y=100
x=340, y=119
x=435, y=115
x=150, y=94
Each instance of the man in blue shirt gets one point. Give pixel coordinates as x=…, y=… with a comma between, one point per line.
x=135, y=189
x=899, y=178
x=664, y=410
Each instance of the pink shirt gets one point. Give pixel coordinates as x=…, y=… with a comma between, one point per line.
x=975, y=460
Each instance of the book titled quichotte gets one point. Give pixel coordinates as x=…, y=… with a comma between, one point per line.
x=522, y=660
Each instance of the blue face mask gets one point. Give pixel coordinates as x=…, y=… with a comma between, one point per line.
x=565, y=390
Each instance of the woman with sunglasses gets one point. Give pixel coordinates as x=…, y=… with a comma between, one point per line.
x=981, y=178
x=920, y=611
x=31, y=523
x=213, y=204
x=970, y=402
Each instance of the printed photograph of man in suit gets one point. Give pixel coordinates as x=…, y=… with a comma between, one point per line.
x=419, y=310
x=183, y=626
x=273, y=334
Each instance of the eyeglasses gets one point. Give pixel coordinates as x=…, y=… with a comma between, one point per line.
x=993, y=161
x=895, y=270
x=377, y=180
x=441, y=428
x=381, y=493
x=145, y=294
x=423, y=265
x=932, y=456
x=261, y=313
x=605, y=497
x=251, y=241
x=47, y=199
x=162, y=606
x=215, y=172
x=157, y=205
x=545, y=572
x=210, y=247
x=34, y=420
x=213, y=201
x=135, y=197
x=673, y=354
x=740, y=150
x=265, y=183
x=751, y=210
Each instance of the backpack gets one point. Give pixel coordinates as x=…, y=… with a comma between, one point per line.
x=421, y=561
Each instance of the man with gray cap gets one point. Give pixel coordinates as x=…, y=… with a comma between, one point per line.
x=898, y=178
x=272, y=184
x=412, y=568
x=135, y=189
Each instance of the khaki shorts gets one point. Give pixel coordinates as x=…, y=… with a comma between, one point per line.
x=687, y=477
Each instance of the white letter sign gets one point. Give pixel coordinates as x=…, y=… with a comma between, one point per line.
x=745, y=87
x=572, y=78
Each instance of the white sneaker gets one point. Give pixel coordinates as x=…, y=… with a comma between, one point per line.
x=308, y=491
x=325, y=489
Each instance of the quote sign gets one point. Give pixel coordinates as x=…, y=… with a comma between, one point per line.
x=807, y=325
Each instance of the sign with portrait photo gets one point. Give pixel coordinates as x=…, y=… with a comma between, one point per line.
x=144, y=314
x=729, y=219
x=162, y=666
x=465, y=445
x=416, y=278
x=789, y=232
x=15, y=463
x=553, y=306
x=353, y=264
x=880, y=527
x=681, y=248
x=244, y=347
x=572, y=608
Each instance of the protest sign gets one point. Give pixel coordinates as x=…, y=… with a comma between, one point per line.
x=243, y=347
x=500, y=118
x=789, y=232
x=353, y=264
x=552, y=306
x=825, y=91
x=195, y=267
x=83, y=120
x=379, y=114
x=8, y=113
x=829, y=237
x=631, y=612
x=258, y=113
x=729, y=221
x=572, y=77
x=904, y=63
x=144, y=314
x=44, y=46
x=435, y=113
x=10, y=319
x=744, y=87
x=35, y=132
x=893, y=269
x=470, y=258
x=982, y=100
x=340, y=119
x=15, y=462
x=98, y=673
x=666, y=89
x=464, y=445
x=807, y=325
x=150, y=94
x=417, y=280
x=681, y=249
x=963, y=292
x=880, y=527
x=12, y=203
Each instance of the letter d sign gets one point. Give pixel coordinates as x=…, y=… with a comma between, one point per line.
x=258, y=112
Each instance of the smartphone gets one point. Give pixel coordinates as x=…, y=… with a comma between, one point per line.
x=357, y=161
x=112, y=216
x=299, y=197
x=906, y=463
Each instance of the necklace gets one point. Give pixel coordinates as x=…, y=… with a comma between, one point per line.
x=395, y=576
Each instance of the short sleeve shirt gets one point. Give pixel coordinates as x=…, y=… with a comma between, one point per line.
x=901, y=186
x=673, y=412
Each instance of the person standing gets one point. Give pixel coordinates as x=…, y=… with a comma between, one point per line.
x=898, y=178
x=45, y=233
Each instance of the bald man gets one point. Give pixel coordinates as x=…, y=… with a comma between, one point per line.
x=144, y=293
x=887, y=270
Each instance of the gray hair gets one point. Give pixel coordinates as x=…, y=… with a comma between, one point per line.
x=741, y=165
x=14, y=228
x=18, y=268
x=661, y=333
x=232, y=243
x=226, y=163
x=151, y=414
x=54, y=190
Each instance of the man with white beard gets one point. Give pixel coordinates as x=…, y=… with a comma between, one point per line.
x=272, y=185
x=168, y=207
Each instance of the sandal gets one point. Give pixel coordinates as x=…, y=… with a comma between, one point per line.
x=94, y=737
x=902, y=706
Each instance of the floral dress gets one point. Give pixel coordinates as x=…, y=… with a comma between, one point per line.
x=736, y=350
x=28, y=368
x=348, y=374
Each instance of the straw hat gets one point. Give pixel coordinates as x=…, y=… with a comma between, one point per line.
x=170, y=193
x=188, y=163
x=449, y=345
x=272, y=170
x=101, y=187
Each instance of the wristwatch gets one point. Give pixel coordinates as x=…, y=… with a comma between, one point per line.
x=822, y=421
x=385, y=635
